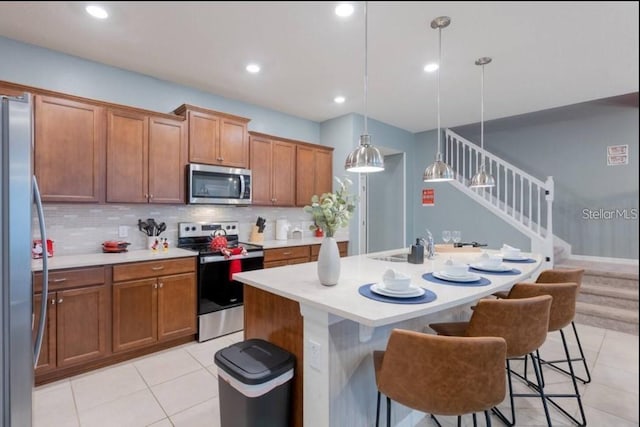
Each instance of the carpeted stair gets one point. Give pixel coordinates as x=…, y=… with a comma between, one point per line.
x=608, y=296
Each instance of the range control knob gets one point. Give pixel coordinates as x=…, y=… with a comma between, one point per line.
x=193, y=228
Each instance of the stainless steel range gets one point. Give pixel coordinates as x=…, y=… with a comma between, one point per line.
x=220, y=298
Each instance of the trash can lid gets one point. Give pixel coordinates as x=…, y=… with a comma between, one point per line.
x=254, y=361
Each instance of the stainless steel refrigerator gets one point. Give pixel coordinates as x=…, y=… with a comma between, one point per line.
x=18, y=191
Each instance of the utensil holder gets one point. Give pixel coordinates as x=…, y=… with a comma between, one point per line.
x=256, y=237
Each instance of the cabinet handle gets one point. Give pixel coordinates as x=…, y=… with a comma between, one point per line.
x=155, y=286
x=160, y=267
x=60, y=301
x=146, y=196
x=286, y=253
x=53, y=301
x=161, y=284
x=62, y=279
x=151, y=196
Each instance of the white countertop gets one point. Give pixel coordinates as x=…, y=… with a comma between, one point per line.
x=73, y=261
x=272, y=244
x=300, y=283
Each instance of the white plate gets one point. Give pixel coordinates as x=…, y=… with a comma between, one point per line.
x=412, y=292
x=470, y=277
x=498, y=269
x=514, y=258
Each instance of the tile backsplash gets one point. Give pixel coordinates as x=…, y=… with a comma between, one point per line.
x=81, y=229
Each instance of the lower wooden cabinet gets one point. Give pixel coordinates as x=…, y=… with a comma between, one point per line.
x=77, y=327
x=156, y=308
x=278, y=257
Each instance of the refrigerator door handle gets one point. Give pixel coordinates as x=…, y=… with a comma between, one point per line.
x=45, y=273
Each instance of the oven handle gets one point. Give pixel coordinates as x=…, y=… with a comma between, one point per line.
x=220, y=258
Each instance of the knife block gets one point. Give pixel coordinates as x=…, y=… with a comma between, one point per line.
x=256, y=237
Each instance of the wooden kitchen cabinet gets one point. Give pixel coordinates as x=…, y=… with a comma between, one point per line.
x=314, y=172
x=216, y=138
x=77, y=327
x=153, y=302
x=272, y=162
x=69, y=154
x=343, y=248
x=278, y=257
x=146, y=158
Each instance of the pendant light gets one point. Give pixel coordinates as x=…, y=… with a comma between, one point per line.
x=439, y=171
x=365, y=158
x=482, y=179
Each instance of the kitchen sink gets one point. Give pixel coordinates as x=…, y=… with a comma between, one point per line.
x=400, y=257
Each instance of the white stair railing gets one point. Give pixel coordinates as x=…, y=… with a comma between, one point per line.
x=519, y=198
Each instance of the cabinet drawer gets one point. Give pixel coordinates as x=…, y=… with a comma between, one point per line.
x=283, y=262
x=286, y=253
x=61, y=279
x=141, y=270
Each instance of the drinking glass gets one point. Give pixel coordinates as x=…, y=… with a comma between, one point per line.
x=456, y=236
x=446, y=236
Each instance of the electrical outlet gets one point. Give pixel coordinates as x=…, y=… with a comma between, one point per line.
x=123, y=231
x=313, y=356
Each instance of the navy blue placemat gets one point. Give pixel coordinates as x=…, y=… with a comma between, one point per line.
x=365, y=291
x=431, y=278
x=512, y=272
x=521, y=261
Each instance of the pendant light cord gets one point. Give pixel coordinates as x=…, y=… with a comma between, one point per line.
x=439, y=155
x=365, y=67
x=482, y=118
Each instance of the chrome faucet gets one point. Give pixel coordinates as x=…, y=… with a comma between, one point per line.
x=429, y=245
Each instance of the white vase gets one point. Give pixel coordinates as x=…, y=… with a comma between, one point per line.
x=329, y=262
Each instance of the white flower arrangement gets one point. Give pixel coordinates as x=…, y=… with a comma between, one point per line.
x=331, y=211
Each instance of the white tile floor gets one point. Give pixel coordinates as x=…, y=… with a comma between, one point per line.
x=178, y=387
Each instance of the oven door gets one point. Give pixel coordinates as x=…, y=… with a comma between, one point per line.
x=216, y=289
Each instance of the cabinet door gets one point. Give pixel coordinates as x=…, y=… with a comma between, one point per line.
x=82, y=327
x=69, y=155
x=167, y=160
x=204, y=133
x=135, y=314
x=176, y=306
x=47, y=358
x=234, y=144
x=305, y=175
x=283, y=173
x=323, y=171
x=261, y=167
x=127, y=157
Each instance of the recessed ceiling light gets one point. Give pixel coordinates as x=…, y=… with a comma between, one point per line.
x=253, y=68
x=96, y=11
x=339, y=99
x=344, y=9
x=430, y=68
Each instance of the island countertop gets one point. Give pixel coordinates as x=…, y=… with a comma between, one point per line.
x=300, y=283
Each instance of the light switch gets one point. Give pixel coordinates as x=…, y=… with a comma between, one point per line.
x=313, y=355
x=123, y=231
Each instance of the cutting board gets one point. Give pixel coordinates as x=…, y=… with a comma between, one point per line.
x=450, y=248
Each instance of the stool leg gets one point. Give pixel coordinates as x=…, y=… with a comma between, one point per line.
x=487, y=418
x=584, y=360
x=388, y=412
x=537, y=368
x=499, y=413
x=460, y=421
x=378, y=411
x=475, y=421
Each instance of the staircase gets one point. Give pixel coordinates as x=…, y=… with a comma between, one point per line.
x=608, y=296
x=520, y=199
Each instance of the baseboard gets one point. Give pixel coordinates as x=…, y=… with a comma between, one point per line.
x=625, y=261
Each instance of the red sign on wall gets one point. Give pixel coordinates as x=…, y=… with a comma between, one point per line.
x=428, y=196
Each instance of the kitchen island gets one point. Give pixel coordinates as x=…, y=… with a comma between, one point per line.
x=334, y=330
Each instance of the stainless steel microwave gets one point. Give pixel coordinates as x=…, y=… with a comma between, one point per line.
x=216, y=185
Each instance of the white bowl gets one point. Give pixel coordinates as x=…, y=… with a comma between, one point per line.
x=456, y=269
x=396, y=281
x=511, y=253
x=490, y=260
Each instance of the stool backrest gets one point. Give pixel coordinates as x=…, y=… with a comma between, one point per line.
x=563, y=305
x=561, y=276
x=443, y=375
x=523, y=323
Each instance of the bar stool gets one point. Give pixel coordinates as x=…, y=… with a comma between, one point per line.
x=441, y=375
x=523, y=323
x=562, y=311
x=563, y=276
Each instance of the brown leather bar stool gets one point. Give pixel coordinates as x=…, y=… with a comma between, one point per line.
x=563, y=276
x=441, y=375
x=563, y=308
x=523, y=323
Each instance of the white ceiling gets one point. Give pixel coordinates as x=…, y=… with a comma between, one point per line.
x=545, y=54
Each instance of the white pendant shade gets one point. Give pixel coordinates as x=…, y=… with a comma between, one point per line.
x=482, y=180
x=438, y=171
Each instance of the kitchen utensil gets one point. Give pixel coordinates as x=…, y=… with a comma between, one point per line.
x=161, y=228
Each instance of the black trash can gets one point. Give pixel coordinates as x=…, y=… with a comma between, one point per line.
x=254, y=383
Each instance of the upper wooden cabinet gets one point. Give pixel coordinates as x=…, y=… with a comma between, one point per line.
x=272, y=170
x=216, y=138
x=146, y=158
x=69, y=150
x=314, y=172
